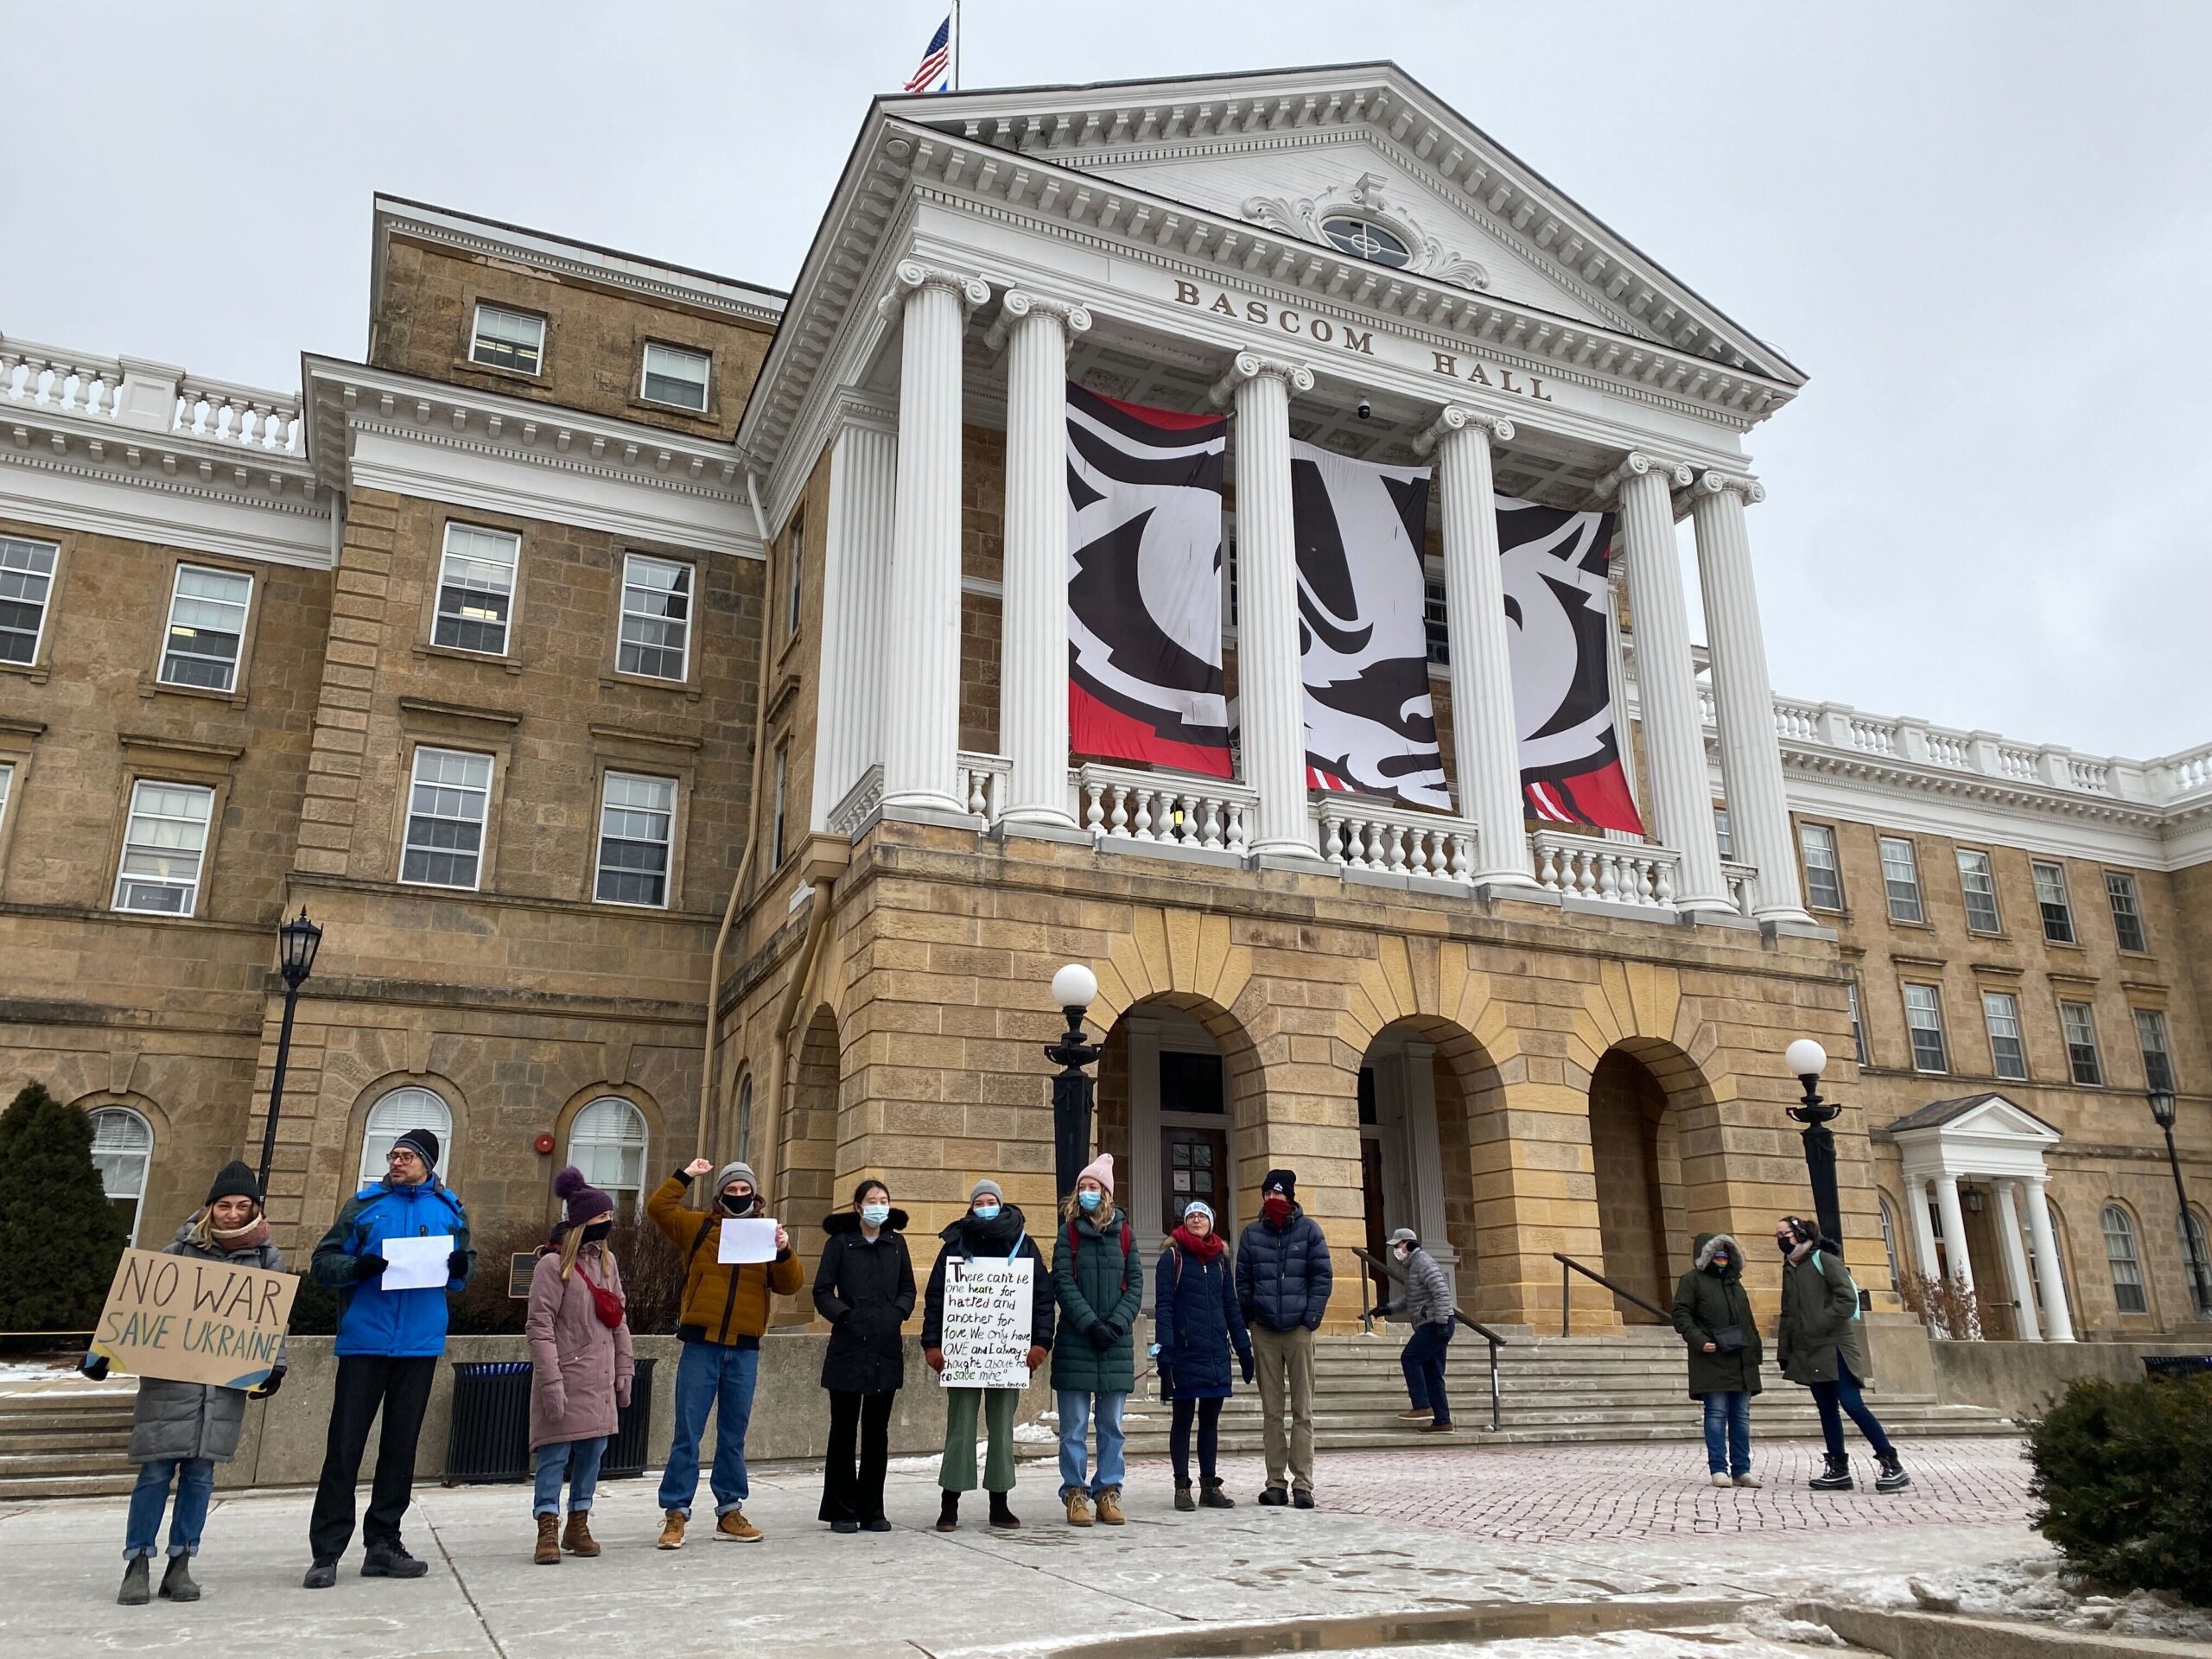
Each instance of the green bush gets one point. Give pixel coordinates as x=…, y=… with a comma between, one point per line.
x=2123, y=1483
x=59, y=1234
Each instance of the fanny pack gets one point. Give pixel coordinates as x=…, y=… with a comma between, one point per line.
x=1729, y=1338
x=608, y=1304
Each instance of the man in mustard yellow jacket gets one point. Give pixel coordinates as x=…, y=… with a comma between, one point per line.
x=725, y=1311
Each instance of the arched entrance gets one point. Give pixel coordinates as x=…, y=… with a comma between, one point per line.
x=1635, y=1152
x=1422, y=1088
x=809, y=1149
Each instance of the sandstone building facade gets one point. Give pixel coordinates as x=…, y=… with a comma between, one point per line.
x=655, y=686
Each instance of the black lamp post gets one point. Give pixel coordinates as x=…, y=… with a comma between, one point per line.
x=1074, y=988
x=296, y=947
x=2162, y=1108
x=1806, y=1059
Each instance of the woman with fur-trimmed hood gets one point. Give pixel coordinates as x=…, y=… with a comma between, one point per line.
x=1714, y=1315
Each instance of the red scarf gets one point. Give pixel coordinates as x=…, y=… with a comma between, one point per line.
x=1276, y=1208
x=1204, y=1248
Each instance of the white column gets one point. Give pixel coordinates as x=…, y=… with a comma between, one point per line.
x=921, y=705
x=855, y=563
x=1425, y=1149
x=1485, y=740
x=1148, y=1202
x=1923, y=1230
x=1954, y=1231
x=1681, y=804
x=2016, y=1266
x=2057, y=1318
x=1033, y=614
x=1751, y=759
x=1270, y=687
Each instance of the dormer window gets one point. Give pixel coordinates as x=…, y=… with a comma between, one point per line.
x=1364, y=238
x=507, y=339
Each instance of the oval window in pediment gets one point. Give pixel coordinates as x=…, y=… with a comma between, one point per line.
x=1364, y=238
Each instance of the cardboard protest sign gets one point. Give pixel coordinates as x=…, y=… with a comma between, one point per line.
x=986, y=1335
x=192, y=1321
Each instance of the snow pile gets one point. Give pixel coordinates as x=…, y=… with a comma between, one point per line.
x=1036, y=1433
x=2038, y=1589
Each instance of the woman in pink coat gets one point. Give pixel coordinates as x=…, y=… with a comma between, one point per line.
x=581, y=1364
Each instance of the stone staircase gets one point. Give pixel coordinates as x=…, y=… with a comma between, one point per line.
x=65, y=1437
x=1553, y=1391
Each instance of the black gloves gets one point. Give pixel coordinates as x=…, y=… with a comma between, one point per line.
x=94, y=1366
x=456, y=1264
x=267, y=1386
x=1248, y=1369
x=1101, y=1335
x=367, y=1267
x=1383, y=1312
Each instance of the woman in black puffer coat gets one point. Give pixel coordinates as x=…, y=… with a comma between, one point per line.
x=865, y=1287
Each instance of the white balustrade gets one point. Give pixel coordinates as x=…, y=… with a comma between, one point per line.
x=1950, y=749
x=2091, y=775
x=241, y=415
x=2017, y=763
x=1798, y=721
x=982, y=784
x=90, y=388
x=1362, y=835
x=59, y=379
x=1582, y=867
x=2184, y=773
x=1743, y=886
x=1165, y=809
x=1873, y=736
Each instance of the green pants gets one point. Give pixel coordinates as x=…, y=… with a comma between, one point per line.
x=958, y=1474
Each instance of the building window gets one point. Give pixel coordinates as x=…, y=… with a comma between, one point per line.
x=393, y=1116
x=675, y=376
x=1979, y=886
x=1901, y=878
x=2001, y=1011
x=1924, y=1017
x=797, y=577
x=507, y=339
x=2127, y=1264
x=1435, y=621
x=1722, y=833
x=122, y=1147
x=1889, y=1238
x=1364, y=238
x=1858, y=1026
x=207, y=611
x=446, y=811
x=776, y=825
x=608, y=1143
x=2126, y=914
x=476, y=589
x=1823, y=881
x=2197, y=1260
x=744, y=1117
x=7, y=788
x=2150, y=1037
x=636, y=820
x=2050, y=899
x=656, y=639
x=26, y=580
x=2081, y=1044
x=162, y=847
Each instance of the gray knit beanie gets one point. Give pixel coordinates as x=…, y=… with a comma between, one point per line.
x=737, y=1171
x=984, y=1186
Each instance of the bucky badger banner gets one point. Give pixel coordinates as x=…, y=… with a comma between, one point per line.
x=1144, y=585
x=1370, y=724
x=1554, y=572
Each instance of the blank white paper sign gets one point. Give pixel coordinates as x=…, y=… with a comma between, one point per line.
x=750, y=1240
x=415, y=1263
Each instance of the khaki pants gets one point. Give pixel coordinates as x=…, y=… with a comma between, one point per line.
x=957, y=1471
x=1286, y=1368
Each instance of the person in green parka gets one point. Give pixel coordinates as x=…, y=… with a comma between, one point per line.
x=1099, y=1284
x=1817, y=1346
x=1714, y=1318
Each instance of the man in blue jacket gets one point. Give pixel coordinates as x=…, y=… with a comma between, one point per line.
x=388, y=1342
x=1283, y=1278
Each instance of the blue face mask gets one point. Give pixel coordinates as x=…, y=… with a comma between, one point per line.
x=1089, y=1200
x=876, y=1214
x=987, y=1212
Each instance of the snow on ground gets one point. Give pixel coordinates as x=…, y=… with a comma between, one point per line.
x=1722, y=1641
x=2034, y=1587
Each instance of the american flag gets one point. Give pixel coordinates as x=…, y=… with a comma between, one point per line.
x=934, y=72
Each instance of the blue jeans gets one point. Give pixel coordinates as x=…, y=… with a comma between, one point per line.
x=195, y=1486
x=1423, y=1359
x=709, y=1376
x=1728, y=1432
x=1074, y=1424
x=1844, y=1392
x=579, y=1461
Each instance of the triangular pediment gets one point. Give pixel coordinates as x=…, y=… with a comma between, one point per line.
x=1979, y=1117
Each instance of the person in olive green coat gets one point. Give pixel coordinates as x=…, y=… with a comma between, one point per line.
x=1817, y=1342
x=1099, y=1284
x=1714, y=1318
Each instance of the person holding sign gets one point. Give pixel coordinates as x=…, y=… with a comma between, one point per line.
x=1099, y=1284
x=971, y=1340
x=735, y=1261
x=865, y=1287
x=180, y=1431
x=580, y=1365
x=397, y=1251
x=1198, y=1325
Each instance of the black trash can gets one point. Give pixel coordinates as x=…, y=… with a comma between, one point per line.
x=2177, y=1365
x=489, y=1437
x=626, y=1453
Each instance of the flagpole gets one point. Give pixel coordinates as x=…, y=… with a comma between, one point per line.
x=955, y=44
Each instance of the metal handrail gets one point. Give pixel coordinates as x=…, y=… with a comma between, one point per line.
x=1568, y=1261
x=1390, y=1270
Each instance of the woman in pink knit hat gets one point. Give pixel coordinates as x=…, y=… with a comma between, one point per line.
x=1099, y=1284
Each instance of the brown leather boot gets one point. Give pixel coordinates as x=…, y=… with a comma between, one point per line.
x=549, y=1541
x=1078, y=1508
x=671, y=1530
x=577, y=1539
x=1109, y=1507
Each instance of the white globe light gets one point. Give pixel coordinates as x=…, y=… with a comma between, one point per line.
x=1805, y=1058
x=1074, y=987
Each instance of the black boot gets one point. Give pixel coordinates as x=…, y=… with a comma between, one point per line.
x=1001, y=1517
x=136, y=1590
x=177, y=1582
x=1836, y=1477
x=1184, y=1500
x=948, y=1513
x=1893, y=1478
x=1210, y=1496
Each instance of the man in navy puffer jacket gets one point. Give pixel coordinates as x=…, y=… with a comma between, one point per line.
x=1283, y=1278
x=388, y=1345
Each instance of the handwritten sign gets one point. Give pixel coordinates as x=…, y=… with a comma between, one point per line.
x=192, y=1321
x=986, y=1307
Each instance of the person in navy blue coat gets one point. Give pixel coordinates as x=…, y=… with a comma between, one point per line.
x=1198, y=1323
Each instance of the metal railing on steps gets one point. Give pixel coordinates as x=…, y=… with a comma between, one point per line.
x=1391, y=1271
x=1568, y=1265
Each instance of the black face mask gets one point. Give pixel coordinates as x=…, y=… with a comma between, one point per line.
x=744, y=1206
x=1719, y=1264
x=596, y=1230
x=1785, y=1245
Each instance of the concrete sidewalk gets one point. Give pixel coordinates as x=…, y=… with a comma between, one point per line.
x=809, y=1592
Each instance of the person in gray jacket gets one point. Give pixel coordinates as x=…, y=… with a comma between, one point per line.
x=1426, y=1305
x=180, y=1431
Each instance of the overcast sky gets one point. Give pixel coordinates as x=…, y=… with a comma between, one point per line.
x=1981, y=229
